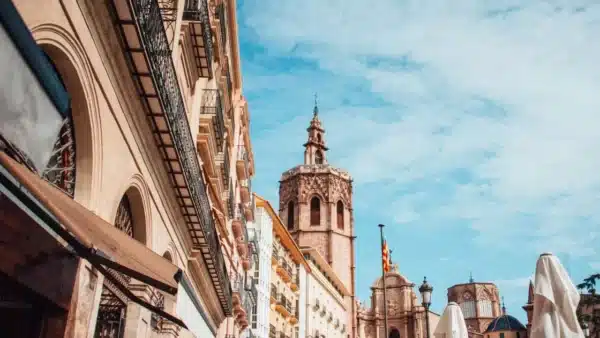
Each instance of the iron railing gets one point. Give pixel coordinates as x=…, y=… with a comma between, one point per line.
x=231, y=201
x=197, y=10
x=272, y=331
x=154, y=39
x=213, y=105
x=222, y=15
x=273, y=291
x=226, y=163
x=228, y=80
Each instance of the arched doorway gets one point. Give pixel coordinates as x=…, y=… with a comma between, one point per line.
x=394, y=333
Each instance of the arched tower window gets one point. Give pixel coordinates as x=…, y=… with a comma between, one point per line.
x=340, y=215
x=319, y=138
x=290, y=215
x=319, y=157
x=394, y=333
x=315, y=211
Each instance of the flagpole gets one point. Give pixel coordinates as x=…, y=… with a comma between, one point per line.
x=385, y=317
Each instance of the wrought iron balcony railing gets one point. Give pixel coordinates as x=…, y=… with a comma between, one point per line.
x=231, y=201
x=274, y=291
x=225, y=170
x=213, y=105
x=153, y=65
x=272, y=331
x=197, y=11
x=222, y=15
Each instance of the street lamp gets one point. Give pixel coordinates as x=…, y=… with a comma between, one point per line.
x=586, y=329
x=425, y=289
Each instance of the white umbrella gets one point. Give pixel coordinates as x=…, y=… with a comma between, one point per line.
x=555, y=301
x=452, y=323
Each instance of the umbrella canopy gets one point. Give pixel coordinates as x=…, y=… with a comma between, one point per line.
x=555, y=300
x=452, y=323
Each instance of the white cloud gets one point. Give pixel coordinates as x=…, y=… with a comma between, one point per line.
x=512, y=99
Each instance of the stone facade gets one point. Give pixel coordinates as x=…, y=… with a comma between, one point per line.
x=406, y=315
x=479, y=302
x=128, y=144
x=315, y=203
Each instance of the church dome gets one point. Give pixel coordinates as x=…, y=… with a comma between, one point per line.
x=505, y=323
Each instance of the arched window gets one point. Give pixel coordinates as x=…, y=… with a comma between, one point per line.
x=394, y=333
x=315, y=211
x=290, y=215
x=340, y=215
x=319, y=138
x=319, y=157
x=60, y=170
x=124, y=218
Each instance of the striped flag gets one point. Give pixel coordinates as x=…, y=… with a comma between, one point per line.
x=385, y=257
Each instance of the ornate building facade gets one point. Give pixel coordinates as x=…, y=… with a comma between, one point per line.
x=315, y=202
x=479, y=302
x=156, y=145
x=406, y=315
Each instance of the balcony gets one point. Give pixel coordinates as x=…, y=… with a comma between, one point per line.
x=242, y=165
x=225, y=164
x=195, y=14
x=231, y=201
x=149, y=57
x=245, y=190
x=295, y=282
x=283, y=271
x=283, y=306
x=273, y=294
x=212, y=105
x=274, y=257
x=293, y=319
x=272, y=332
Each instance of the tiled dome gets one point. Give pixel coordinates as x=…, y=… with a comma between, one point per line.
x=505, y=323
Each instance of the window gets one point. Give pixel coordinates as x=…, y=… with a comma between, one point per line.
x=468, y=308
x=254, y=321
x=319, y=157
x=319, y=138
x=315, y=211
x=340, y=215
x=518, y=334
x=501, y=334
x=290, y=215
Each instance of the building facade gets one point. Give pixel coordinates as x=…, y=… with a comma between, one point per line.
x=262, y=227
x=324, y=308
x=156, y=144
x=315, y=202
x=286, y=263
x=406, y=315
x=479, y=302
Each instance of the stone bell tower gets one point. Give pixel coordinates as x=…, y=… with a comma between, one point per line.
x=315, y=203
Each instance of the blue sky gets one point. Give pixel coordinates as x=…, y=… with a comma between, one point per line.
x=470, y=128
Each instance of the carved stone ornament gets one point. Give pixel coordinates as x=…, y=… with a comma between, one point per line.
x=467, y=296
x=288, y=191
x=312, y=184
x=342, y=190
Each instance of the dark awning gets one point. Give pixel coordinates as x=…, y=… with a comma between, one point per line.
x=34, y=56
x=91, y=237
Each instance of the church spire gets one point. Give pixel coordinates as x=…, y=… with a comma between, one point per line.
x=315, y=145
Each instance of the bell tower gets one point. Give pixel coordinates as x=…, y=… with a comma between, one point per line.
x=315, y=203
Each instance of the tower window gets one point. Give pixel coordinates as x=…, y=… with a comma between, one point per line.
x=315, y=211
x=340, y=215
x=319, y=157
x=290, y=215
x=319, y=138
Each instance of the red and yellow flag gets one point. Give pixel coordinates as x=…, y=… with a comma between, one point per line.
x=385, y=256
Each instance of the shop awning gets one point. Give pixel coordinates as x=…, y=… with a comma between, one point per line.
x=92, y=237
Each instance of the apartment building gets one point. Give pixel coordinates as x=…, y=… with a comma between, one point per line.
x=286, y=262
x=325, y=310
x=144, y=192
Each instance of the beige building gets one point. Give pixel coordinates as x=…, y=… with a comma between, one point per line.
x=406, y=315
x=315, y=202
x=286, y=263
x=479, y=302
x=155, y=143
x=323, y=303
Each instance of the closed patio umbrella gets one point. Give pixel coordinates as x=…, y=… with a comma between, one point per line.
x=555, y=300
x=452, y=323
